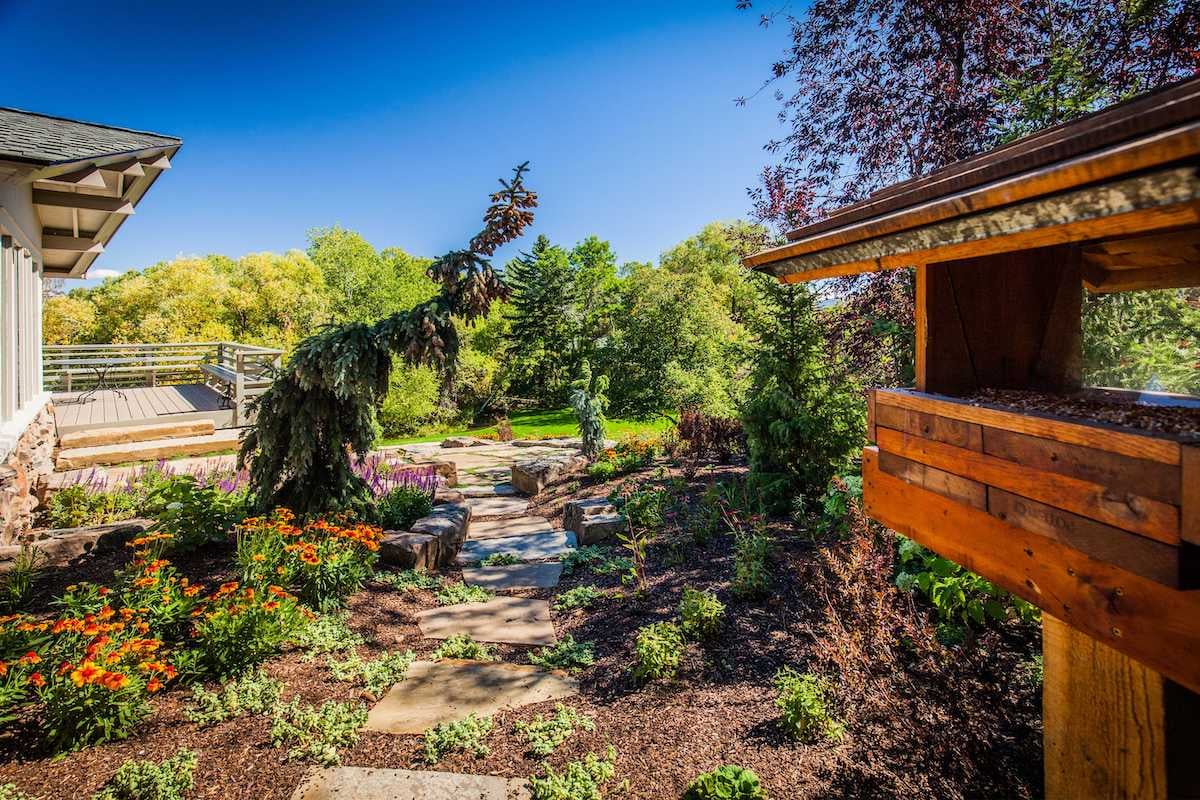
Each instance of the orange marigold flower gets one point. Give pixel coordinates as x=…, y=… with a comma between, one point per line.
x=30, y=658
x=154, y=685
x=258, y=557
x=270, y=606
x=37, y=680
x=87, y=673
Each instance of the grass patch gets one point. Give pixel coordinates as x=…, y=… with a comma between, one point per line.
x=542, y=424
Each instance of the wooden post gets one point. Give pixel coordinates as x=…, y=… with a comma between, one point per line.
x=240, y=387
x=1114, y=728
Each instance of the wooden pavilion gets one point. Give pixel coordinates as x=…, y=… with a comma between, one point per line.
x=1096, y=523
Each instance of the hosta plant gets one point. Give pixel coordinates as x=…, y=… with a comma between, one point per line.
x=728, y=782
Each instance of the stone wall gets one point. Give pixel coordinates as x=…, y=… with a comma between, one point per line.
x=30, y=460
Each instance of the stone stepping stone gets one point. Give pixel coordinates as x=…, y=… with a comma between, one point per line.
x=498, y=506
x=520, y=526
x=368, y=783
x=489, y=490
x=530, y=547
x=503, y=620
x=450, y=690
x=514, y=576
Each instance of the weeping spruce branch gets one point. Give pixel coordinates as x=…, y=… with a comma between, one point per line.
x=322, y=406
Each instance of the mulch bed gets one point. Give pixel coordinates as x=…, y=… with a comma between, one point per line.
x=928, y=720
x=1097, y=405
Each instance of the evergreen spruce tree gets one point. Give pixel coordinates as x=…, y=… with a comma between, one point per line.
x=589, y=399
x=321, y=408
x=543, y=321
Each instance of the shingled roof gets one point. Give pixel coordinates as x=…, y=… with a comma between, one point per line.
x=42, y=139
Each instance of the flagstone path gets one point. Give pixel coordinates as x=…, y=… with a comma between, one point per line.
x=521, y=526
x=504, y=620
x=366, y=783
x=532, y=547
x=514, y=576
x=498, y=506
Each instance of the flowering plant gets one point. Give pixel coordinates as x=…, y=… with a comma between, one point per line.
x=240, y=626
x=323, y=562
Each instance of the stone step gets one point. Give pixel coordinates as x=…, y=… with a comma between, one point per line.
x=517, y=526
x=153, y=450
x=99, y=437
x=514, y=576
x=532, y=547
x=498, y=506
x=488, y=490
x=451, y=689
x=503, y=620
x=369, y=783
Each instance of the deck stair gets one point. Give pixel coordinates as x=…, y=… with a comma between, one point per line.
x=100, y=437
x=133, y=447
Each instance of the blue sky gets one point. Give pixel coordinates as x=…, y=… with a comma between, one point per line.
x=395, y=120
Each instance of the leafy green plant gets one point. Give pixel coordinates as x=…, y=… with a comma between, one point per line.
x=195, y=514
x=461, y=645
x=701, y=614
x=803, y=698
x=579, y=597
x=78, y=505
x=957, y=594
x=836, y=503
x=602, y=469
x=146, y=780
x=253, y=693
x=545, y=735
x=566, y=654
x=500, y=560
x=751, y=557
x=315, y=734
x=579, y=780
x=326, y=633
x=658, y=651
x=244, y=627
x=408, y=580
x=643, y=510
x=727, y=782
x=16, y=585
x=452, y=594
x=464, y=735
x=376, y=676
x=401, y=507
x=597, y=558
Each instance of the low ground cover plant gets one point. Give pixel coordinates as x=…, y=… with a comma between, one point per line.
x=315, y=733
x=464, y=735
x=253, y=693
x=804, y=700
x=461, y=645
x=728, y=782
x=579, y=597
x=376, y=675
x=171, y=779
x=658, y=651
x=10, y=791
x=544, y=735
x=452, y=594
x=400, y=507
x=597, y=558
x=566, y=654
x=500, y=560
x=326, y=633
x=408, y=580
x=579, y=780
x=751, y=560
x=700, y=614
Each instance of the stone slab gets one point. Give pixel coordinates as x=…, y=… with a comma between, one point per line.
x=82, y=457
x=503, y=620
x=520, y=526
x=532, y=547
x=451, y=689
x=498, y=506
x=600, y=527
x=488, y=490
x=534, y=475
x=575, y=511
x=462, y=441
x=514, y=576
x=369, y=783
x=410, y=550
x=449, y=523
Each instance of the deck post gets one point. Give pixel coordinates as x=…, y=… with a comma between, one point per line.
x=239, y=388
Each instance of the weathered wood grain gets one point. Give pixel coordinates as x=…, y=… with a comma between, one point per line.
x=944, y=483
x=930, y=426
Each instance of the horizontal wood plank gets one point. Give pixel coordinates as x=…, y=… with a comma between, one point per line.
x=931, y=426
x=1148, y=621
x=1132, y=512
x=947, y=484
x=1100, y=436
x=1189, y=474
x=1138, y=554
x=1151, y=479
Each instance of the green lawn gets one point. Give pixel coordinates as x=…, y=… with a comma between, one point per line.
x=535, y=424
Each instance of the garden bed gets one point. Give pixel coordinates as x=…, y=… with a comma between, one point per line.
x=920, y=717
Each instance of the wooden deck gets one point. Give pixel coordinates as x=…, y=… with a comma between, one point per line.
x=141, y=405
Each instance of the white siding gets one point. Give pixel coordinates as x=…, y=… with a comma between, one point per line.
x=21, y=394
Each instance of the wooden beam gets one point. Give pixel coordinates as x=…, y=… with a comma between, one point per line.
x=88, y=176
x=157, y=162
x=74, y=244
x=1155, y=624
x=92, y=202
x=1123, y=280
x=1190, y=494
x=131, y=167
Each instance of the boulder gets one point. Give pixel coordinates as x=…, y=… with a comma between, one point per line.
x=446, y=470
x=63, y=545
x=598, y=527
x=448, y=523
x=532, y=476
x=409, y=550
x=575, y=511
x=462, y=441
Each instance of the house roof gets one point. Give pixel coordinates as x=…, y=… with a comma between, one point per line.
x=42, y=139
x=1080, y=181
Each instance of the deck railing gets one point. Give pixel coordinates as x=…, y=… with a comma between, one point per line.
x=239, y=371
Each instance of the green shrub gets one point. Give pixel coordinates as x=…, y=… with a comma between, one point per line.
x=959, y=595
x=465, y=735
x=701, y=614
x=835, y=505
x=146, y=780
x=751, y=570
x=602, y=470
x=728, y=782
x=76, y=506
x=589, y=400
x=579, y=597
x=499, y=560
x=195, y=514
x=452, y=594
x=376, y=675
x=461, y=645
x=579, y=780
x=803, y=698
x=16, y=585
x=327, y=633
x=545, y=735
x=253, y=693
x=565, y=654
x=408, y=580
x=401, y=507
x=315, y=734
x=410, y=401
x=658, y=650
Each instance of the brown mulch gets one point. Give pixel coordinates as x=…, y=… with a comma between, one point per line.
x=925, y=720
x=1098, y=405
